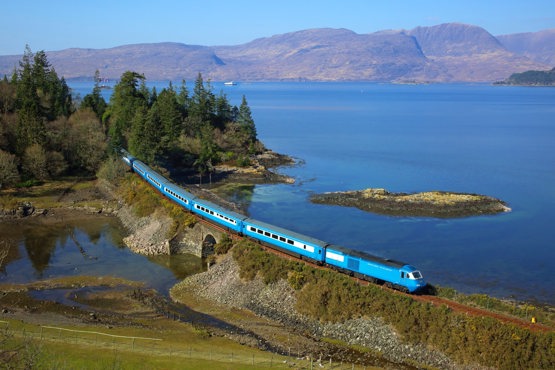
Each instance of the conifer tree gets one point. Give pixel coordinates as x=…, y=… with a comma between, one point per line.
x=124, y=103
x=170, y=117
x=95, y=100
x=202, y=102
x=244, y=119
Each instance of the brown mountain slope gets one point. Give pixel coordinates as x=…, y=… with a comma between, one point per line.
x=538, y=46
x=445, y=53
x=469, y=53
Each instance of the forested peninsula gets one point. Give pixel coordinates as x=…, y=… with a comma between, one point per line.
x=47, y=133
x=531, y=78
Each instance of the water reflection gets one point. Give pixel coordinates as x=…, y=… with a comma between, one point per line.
x=37, y=248
x=238, y=194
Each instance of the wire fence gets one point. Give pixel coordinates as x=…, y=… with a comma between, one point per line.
x=157, y=346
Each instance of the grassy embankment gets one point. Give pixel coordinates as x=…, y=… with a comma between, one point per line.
x=329, y=296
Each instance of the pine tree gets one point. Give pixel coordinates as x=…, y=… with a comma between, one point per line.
x=170, y=117
x=224, y=111
x=124, y=103
x=244, y=119
x=183, y=99
x=208, y=155
x=95, y=100
x=30, y=125
x=201, y=107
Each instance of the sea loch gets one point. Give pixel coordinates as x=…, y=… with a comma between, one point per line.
x=492, y=140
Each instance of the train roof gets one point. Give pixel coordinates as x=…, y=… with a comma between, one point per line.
x=218, y=208
x=367, y=256
x=290, y=233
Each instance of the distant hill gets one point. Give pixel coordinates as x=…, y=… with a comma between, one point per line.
x=538, y=46
x=449, y=52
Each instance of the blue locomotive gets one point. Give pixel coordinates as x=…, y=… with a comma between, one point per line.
x=394, y=274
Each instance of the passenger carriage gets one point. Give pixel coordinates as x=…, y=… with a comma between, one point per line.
x=179, y=195
x=298, y=245
x=228, y=219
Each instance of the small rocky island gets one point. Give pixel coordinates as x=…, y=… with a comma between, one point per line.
x=439, y=204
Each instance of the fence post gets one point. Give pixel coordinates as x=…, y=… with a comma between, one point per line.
x=41, y=332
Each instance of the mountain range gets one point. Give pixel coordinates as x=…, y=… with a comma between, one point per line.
x=451, y=52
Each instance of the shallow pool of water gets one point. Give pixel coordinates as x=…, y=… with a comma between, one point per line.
x=92, y=246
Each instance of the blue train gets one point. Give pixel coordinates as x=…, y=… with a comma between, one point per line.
x=394, y=274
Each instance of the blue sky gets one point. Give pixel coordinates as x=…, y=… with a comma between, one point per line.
x=61, y=24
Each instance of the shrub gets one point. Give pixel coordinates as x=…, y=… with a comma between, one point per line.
x=35, y=162
x=224, y=245
x=8, y=169
x=112, y=169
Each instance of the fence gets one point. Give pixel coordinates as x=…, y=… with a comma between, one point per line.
x=156, y=346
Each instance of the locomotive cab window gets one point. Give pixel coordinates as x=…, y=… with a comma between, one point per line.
x=417, y=275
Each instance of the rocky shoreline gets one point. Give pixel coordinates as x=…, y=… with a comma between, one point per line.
x=440, y=204
x=222, y=285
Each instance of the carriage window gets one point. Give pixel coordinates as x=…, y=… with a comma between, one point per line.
x=290, y=242
x=267, y=233
x=281, y=239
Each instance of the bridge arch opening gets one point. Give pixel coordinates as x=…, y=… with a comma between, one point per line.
x=208, y=245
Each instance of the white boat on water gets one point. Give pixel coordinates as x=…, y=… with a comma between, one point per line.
x=230, y=83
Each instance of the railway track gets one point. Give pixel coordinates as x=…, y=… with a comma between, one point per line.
x=476, y=311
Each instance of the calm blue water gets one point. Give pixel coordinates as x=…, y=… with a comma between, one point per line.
x=88, y=246
x=492, y=140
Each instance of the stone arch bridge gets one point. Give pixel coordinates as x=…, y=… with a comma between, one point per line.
x=198, y=240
